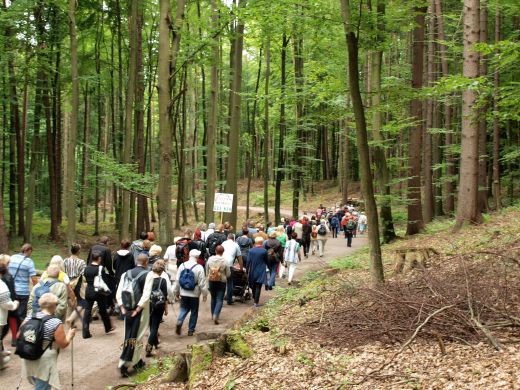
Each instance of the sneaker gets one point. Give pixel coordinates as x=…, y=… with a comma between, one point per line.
x=215, y=320
x=87, y=336
x=149, y=350
x=190, y=332
x=178, y=329
x=5, y=360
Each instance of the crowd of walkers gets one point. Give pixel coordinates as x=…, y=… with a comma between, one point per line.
x=137, y=282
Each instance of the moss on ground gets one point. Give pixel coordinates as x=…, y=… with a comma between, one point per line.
x=201, y=358
x=238, y=345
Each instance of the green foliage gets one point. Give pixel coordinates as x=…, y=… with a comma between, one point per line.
x=124, y=175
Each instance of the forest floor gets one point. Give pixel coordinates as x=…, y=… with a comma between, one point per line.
x=95, y=359
x=309, y=337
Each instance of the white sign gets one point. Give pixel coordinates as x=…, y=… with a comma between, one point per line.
x=223, y=203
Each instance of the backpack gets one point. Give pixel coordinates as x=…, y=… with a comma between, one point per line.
x=182, y=252
x=157, y=298
x=43, y=288
x=244, y=244
x=322, y=230
x=215, y=275
x=334, y=221
x=215, y=240
x=351, y=224
x=29, y=344
x=187, y=279
x=131, y=292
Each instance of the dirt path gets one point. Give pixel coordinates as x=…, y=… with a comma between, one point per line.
x=95, y=359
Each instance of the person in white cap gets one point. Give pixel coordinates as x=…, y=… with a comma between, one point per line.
x=190, y=284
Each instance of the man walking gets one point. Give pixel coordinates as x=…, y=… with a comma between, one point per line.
x=190, y=284
x=231, y=253
x=22, y=268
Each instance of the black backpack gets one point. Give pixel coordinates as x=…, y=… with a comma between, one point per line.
x=29, y=344
x=272, y=250
x=182, y=251
x=131, y=290
x=215, y=240
x=322, y=230
x=157, y=298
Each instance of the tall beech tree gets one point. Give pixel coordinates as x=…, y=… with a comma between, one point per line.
x=376, y=263
x=468, y=209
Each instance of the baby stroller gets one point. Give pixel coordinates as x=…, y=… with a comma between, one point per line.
x=240, y=285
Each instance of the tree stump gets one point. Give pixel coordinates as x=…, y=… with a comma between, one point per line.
x=408, y=259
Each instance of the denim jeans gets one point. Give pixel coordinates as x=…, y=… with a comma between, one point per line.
x=217, y=291
x=272, y=273
x=41, y=385
x=189, y=304
x=229, y=288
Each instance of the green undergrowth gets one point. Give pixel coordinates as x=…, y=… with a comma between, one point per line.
x=154, y=369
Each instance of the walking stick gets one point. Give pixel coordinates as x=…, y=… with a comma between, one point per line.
x=72, y=363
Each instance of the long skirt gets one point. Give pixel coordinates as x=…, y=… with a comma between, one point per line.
x=135, y=329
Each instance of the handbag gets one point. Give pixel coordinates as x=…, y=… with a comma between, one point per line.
x=99, y=284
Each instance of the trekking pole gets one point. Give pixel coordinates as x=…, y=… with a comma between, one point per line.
x=72, y=363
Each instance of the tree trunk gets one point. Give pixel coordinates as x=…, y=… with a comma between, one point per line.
x=449, y=187
x=34, y=165
x=266, y=129
x=345, y=165
x=376, y=264
x=467, y=202
x=126, y=157
x=73, y=127
x=51, y=163
x=139, y=121
x=234, y=133
x=167, y=59
x=496, y=121
x=428, y=206
x=298, y=170
x=483, y=109
x=211, y=162
x=83, y=211
x=415, y=221
x=382, y=172
x=283, y=126
x=4, y=248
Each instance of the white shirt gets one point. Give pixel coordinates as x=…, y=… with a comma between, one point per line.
x=207, y=233
x=200, y=276
x=231, y=252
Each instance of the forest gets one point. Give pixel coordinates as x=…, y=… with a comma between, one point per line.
x=136, y=112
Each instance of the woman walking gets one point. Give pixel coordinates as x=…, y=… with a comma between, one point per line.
x=43, y=372
x=95, y=294
x=74, y=268
x=158, y=304
x=292, y=256
x=257, y=261
x=217, y=270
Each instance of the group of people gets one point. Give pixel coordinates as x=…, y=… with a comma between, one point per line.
x=138, y=281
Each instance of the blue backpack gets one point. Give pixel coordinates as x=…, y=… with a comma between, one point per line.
x=43, y=288
x=187, y=279
x=334, y=222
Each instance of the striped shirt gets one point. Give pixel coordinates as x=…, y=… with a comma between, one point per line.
x=49, y=328
x=74, y=267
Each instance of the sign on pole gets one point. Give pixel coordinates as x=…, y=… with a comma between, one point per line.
x=223, y=203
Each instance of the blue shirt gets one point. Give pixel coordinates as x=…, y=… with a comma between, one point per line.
x=23, y=268
x=257, y=263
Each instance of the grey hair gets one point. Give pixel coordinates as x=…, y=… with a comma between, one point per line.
x=142, y=259
x=48, y=301
x=53, y=271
